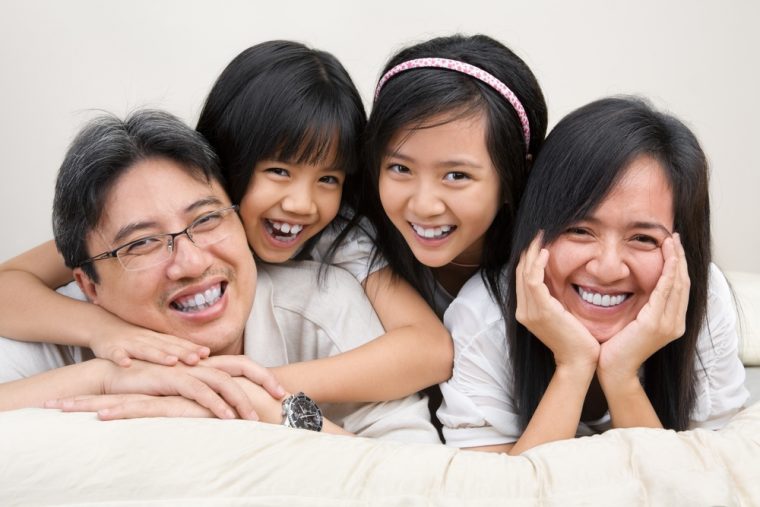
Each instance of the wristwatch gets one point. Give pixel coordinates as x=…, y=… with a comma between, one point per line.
x=300, y=411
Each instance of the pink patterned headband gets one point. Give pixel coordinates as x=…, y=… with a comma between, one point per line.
x=470, y=70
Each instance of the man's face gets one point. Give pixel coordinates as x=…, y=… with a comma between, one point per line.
x=203, y=294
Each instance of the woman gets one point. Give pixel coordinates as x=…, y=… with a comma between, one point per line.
x=615, y=315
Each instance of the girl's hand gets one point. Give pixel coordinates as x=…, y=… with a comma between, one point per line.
x=546, y=317
x=128, y=342
x=661, y=320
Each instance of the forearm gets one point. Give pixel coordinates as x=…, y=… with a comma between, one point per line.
x=559, y=411
x=30, y=311
x=74, y=380
x=389, y=367
x=628, y=403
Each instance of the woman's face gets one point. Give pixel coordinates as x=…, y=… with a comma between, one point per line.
x=440, y=189
x=604, y=268
x=288, y=203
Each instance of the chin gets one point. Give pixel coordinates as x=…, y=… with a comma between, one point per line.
x=603, y=333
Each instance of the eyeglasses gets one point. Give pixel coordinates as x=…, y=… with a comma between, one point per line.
x=151, y=251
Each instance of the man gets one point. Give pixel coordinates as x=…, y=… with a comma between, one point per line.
x=122, y=192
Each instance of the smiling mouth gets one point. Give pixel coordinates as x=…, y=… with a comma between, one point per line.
x=433, y=232
x=200, y=300
x=598, y=299
x=283, y=231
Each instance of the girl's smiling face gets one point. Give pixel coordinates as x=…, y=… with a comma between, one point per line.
x=604, y=268
x=440, y=189
x=288, y=203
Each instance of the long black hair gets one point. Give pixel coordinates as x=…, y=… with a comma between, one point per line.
x=282, y=100
x=412, y=98
x=582, y=160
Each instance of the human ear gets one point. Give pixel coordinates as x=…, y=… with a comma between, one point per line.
x=85, y=283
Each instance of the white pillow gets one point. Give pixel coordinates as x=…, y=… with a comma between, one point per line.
x=746, y=287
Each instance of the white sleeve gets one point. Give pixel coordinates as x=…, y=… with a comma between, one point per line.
x=478, y=408
x=355, y=251
x=720, y=374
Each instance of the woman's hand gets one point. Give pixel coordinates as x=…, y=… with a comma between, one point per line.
x=660, y=321
x=570, y=342
x=126, y=342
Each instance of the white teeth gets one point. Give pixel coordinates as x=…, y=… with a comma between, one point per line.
x=433, y=232
x=199, y=301
x=285, y=228
x=604, y=300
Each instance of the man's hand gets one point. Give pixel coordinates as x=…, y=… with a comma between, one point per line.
x=211, y=385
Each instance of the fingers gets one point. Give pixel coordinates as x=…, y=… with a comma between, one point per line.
x=154, y=406
x=217, y=391
x=241, y=366
x=157, y=348
x=93, y=403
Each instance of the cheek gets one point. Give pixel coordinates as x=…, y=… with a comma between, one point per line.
x=648, y=268
x=329, y=204
x=390, y=195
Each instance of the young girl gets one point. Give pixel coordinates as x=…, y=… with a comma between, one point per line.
x=615, y=315
x=455, y=124
x=285, y=120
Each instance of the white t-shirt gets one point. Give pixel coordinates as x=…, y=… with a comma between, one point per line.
x=478, y=407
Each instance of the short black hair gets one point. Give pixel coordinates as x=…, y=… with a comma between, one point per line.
x=106, y=148
x=282, y=100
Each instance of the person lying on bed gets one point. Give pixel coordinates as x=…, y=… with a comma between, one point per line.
x=140, y=213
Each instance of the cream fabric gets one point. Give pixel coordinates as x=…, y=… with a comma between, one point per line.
x=746, y=287
x=55, y=458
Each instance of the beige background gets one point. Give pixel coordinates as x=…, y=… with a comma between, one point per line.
x=61, y=60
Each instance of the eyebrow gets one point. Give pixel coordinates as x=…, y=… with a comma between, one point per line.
x=454, y=162
x=651, y=225
x=127, y=230
x=636, y=225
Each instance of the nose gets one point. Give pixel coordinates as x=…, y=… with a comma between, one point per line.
x=299, y=201
x=188, y=260
x=608, y=264
x=425, y=202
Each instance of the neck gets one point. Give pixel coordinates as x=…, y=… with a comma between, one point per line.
x=453, y=276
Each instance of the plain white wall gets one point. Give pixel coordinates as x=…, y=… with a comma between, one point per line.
x=59, y=61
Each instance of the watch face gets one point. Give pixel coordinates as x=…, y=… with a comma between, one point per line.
x=302, y=412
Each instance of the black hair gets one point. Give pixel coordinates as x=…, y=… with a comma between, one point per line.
x=582, y=160
x=282, y=100
x=104, y=150
x=412, y=99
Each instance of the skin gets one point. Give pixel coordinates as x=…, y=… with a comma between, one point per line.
x=415, y=352
x=442, y=176
x=304, y=196
x=152, y=197
x=598, y=351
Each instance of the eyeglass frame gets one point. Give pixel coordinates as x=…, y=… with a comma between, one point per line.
x=113, y=254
